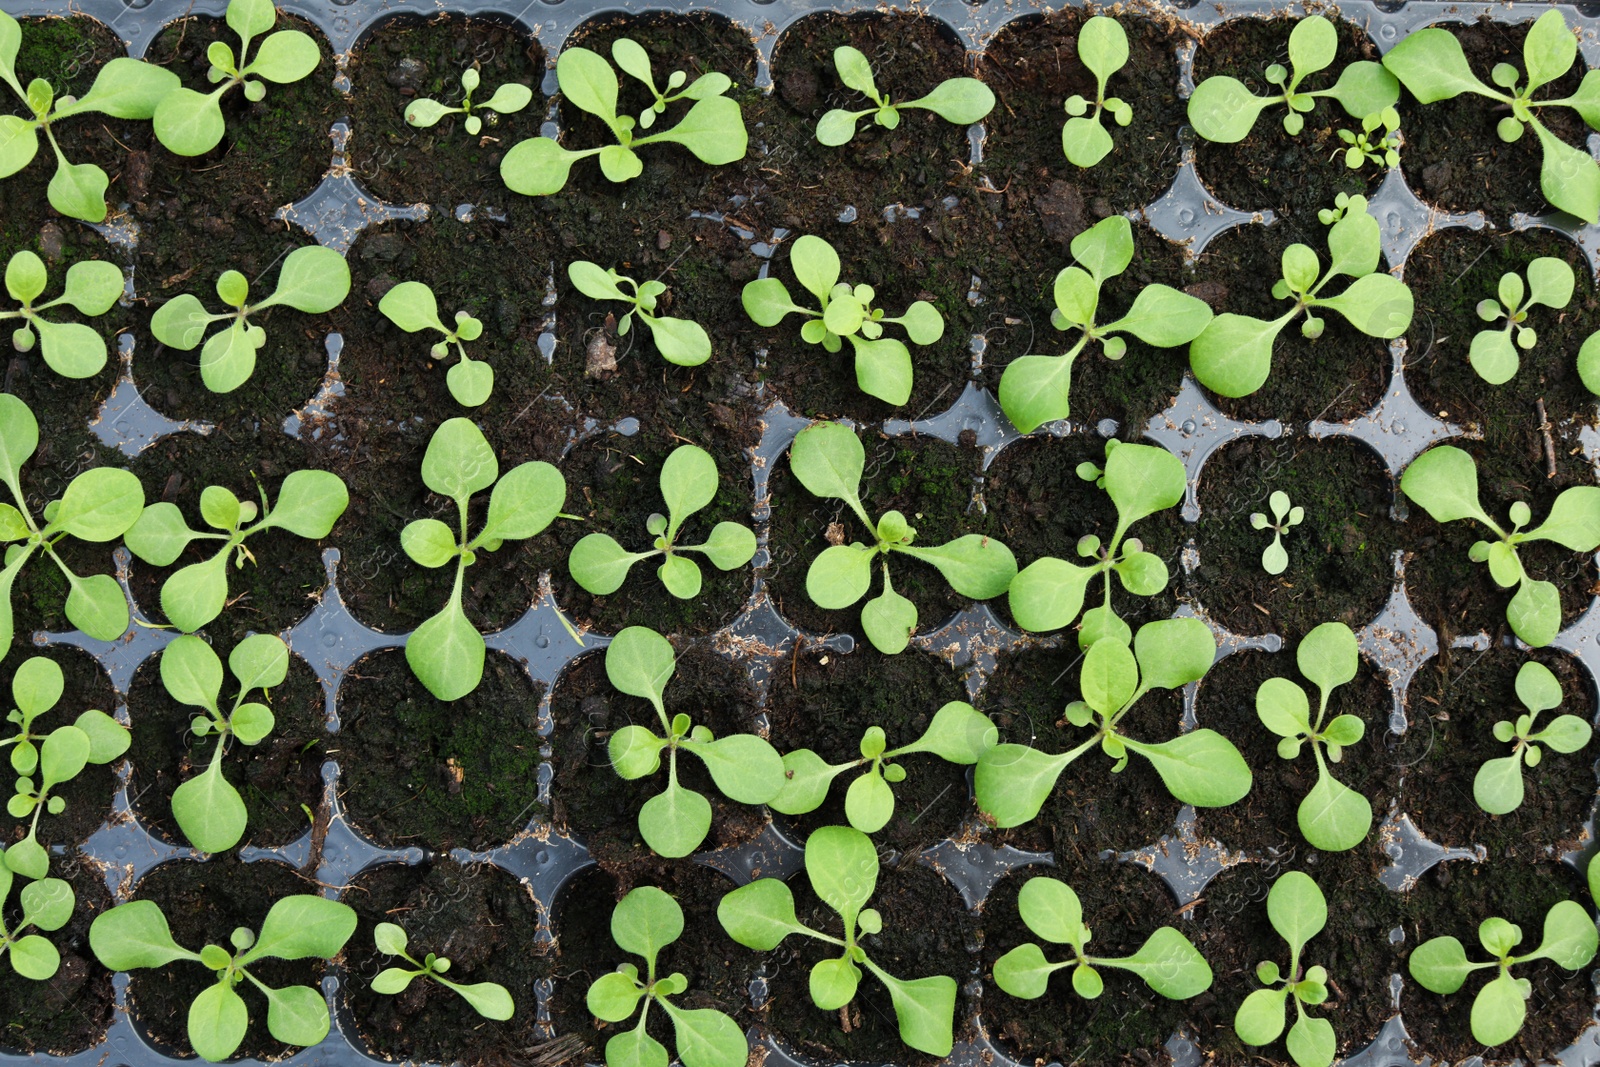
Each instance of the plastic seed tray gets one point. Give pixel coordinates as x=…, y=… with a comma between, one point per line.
x=332, y=640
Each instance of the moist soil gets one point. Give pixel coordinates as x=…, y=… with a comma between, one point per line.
x=1453, y=157
x=279, y=778
x=417, y=770
x=69, y=1011
x=204, y=903
x=826, y=701
x=479, y=918
x=590, y=800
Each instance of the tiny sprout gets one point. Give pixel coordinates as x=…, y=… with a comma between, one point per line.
x=509, y=98
x=489, y=999
x=1275, y=559
x=1493, y=354
x=1384, y=150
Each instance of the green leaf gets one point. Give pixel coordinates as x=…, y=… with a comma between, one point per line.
x=855, y=71
x=1568, y=176
x=1221, y=109
x=1200, y=767
x=1567, y=733
x=958, y=733
x=1052, y=910
x=197, y=593
x=1311, y=1042
x=635, y=752
x=314, y=279
x=459, y=461
x=613, y=997
x=1354, y=243
x=836, y=127
x=1084, y=141
x=1169, y=964
x=883, y=368
x=19, y=143
x=446, y=653
x=412, y=306
x=538, y=166
x=688, y=483
x=1573, y=522
x=1334, y=817
x=745, y=767
x=1164, y=317
x=869, y=803
x=840, y=576
x=645, y=921
x=1440, y=965
x=1024, y=971
x=640, y=663
x=1142, y=480
x=1329, y=656
x=1013, y=781
x=1104, y=250
x=97, y=606
x=1550, y=281
x=189, y=123
x=1048, y=593
x=252, y=723
x=78, y=190
x=1300, y=267
x=828, y=459
x=925, y=1010
x=19, y=436
x=523, y=503
x=888, y=620
x=680, y=341
x=962, y=101
x=843, y=868
x=922, y=323
x=470, y=381
x=1233, y=354
x=134, y=935
x=296, y=1015
x=1537, y=687
x=816, y=266
x=285, y=56
x=101, y=504
x=806, y=781
x=181, y=322
x=303, y=926
x=599, y=563
x=34, y=957
x=588, y=82
x=1497, y=787
x=1312, y=44
x=1493, y=356
x=1535, y=612
x=1444, y=482
x=759, y=915
x=767, y=301
x=1498, y=1010
x=1365, y=88
x=47, y=903
x=429, y=542
x=635, y=1048
x=1379, y=305
x=1174, y=652
x=1282, y=707
x=1432, y=65
x=833, y=983
x=25, y=277
x=1035, y=390
x=71, y=349
x=228, y=358
x=37, y=685
x=675, y=821
x=209, y=810
x=713, y=131
x=1109, y=676
x=310, y=502
x=706, y=1037
x=1548, y=50
x=975, y=565
x=1297, y=909
x=1260, y=1017
x=1569, y=939
x=217, y=1022
x=730, y=545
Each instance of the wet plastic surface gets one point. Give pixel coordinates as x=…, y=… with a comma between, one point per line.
x=331, y=640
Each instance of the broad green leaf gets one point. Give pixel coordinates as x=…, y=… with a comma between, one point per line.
x=1233, y=354
x=730, y=545
x=745, y=767
x=303, y=926
x=1221, y=109
x=713, y=131
x=1312, y=44
x=19, y=436
x=1164, y=317
x=645, y=921
x=1048, y=593
x=470, y=381
x=588, y=82
x=1311, y=1042
x=962, y=101
x=19, y=143
x=538, y=166
x=958, y=733
x=217, y=1021
x=854, y=70
x=635, y=751
x=97, y=606
x=1142, y=480
x=71, y=349
x=25, y=277
x=767, y=301
x=883, y=368
x=251, y=723
x=1535, y=612
x=1024, y=971
x=1573, y=522
x=688, y=483
x=613, y=997
x=1550, y=281
x=228, y=358
x=1104, y=249
x=1329, y=656
x=833, y=983
x=446, y=653
x=37, y=685
x=209, y=810
x=806, y=780
x=78, y=190
x=459, y=461
x=34, y=957
x=1052, y=910
x=1110, y=676
x=1260, y=1017
x=421, y=112
x=620, y=164
x=759, y=915
x=1549, y=49
x=1169, y=964
x=1365, y=88
x=680, y=341
x=47, y=903
x=412, y=306
x=181, y=322
x=197, y=593
x=314, y=279
x=1297, y=909
x=1444, y=482
x=816, y=266
x=1035, y=390
x=1379, y=305
x=1568, y=176
x=219, y=508
x=1200, y=767
x=191, y=672
x=1300, y=267
x=1493, y=356
x=297, y=1014
x=1567, y=733
x=869, y=803
x=1174, y=652
x=1432, y=64
x=975, y=565
x=1569, y=939
x=1334, y=817
x=635, y=1048
x=1354, y=244
x=599, y=563
x=706, y=1037
x=189, y=123
x=840, y=576
x=1497, y=787
x=101, y=504
x=1440, y=965
x=675, y=821
x=429, y=542
x=843, y=868
x=1537, y=687
x=13, y=527
x=836, y=127
x=1013, y=781
x=1499, y=1010
x=285, y=56
x=828, y=459
x=888, y=621
x=135, y=935
x=640, y=662
x=925, y=1010
x=310, y=502
x=1085, y=142
x=1282, y=707
x=523, y=503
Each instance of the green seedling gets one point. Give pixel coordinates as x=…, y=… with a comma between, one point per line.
x=1444, y=481
x=958, y=733
x=1497, y=787
x=1200, y=767
x=962, y=101
x=631, y=58
x=1333, y=817
x=46, y=904
x=1371, y=145
x=208, y=808
x=1275, y=558
x=57, y=757
x=1440, y=965
x=124, y=89
x=489, y=999
x=643, y=923
x=135, y=935
x=744, y=767
x=309, y=503
x=1034, y=389
x=446, y=652
x=1167, y=962
x=1233, y=355
x=190, y=123
x=71, y=349
x=1298, y=911
x=845, y=313
x=412, y=307
x=680, y=341
x=688, y=484
x=713, y=129
x=842, y=866
x=313, y=279
x=98, y=505
x=1103, y=49
x=1222, y=109
x=508, y=99
x=1432, y=64
x=1048, y=593
x=828, y=459
x=1494, y=351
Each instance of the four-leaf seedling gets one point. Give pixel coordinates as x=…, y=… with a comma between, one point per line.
x=1372, y=146
x=1497, y=787
x=45, y=904
x=681, y=341
x=508, y=99
x=962, y=101
x=1103, y=49
x=1275, y=558
x=1298, y=911
x=71, y=349
x=489, y=999
x=1494, y=351
x=412, y=307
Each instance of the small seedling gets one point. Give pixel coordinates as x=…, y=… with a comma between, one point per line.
x=1048, y=593
x=190, y=123
x=124, y=89
x=1103, y=49
x=680, y=341
x=1298, y=911
x=1222, y=109
x=1498, y=1011
x=713, y=129
x=1432, y=64
x=446, y=652
x=644, y=922
x=94, y=736
x=962, y=101
x=1200, y=767
x=207, y=807
x=1035, y=390
x=71, y=349
x=46, y=904
x=1498, y=785
x=744, y=767
x=1233, y=355
x=1167, y=961
x=828, y=459
x=313, y=279
x=842, y=866
x=1333, y=817
x=631, y=58
x=1371, y=146
x=136, y=934
x=98, y=505
x=412, y=307
x=688, y=484
x=1275, y=558
x=1444, y=481
x=309, y=503
x=508, y=99
x=489, y=999
x=1494, y=352
x=958, y=733
x=845, y=313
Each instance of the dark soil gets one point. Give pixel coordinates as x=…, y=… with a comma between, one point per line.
x=204, y=903
x=1453, y=157
x=280, y=778
x=589, y=798
x=68, y=1012
x=479, y=918
x=829, y=700
x=436, y=773
x=1339, y=556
